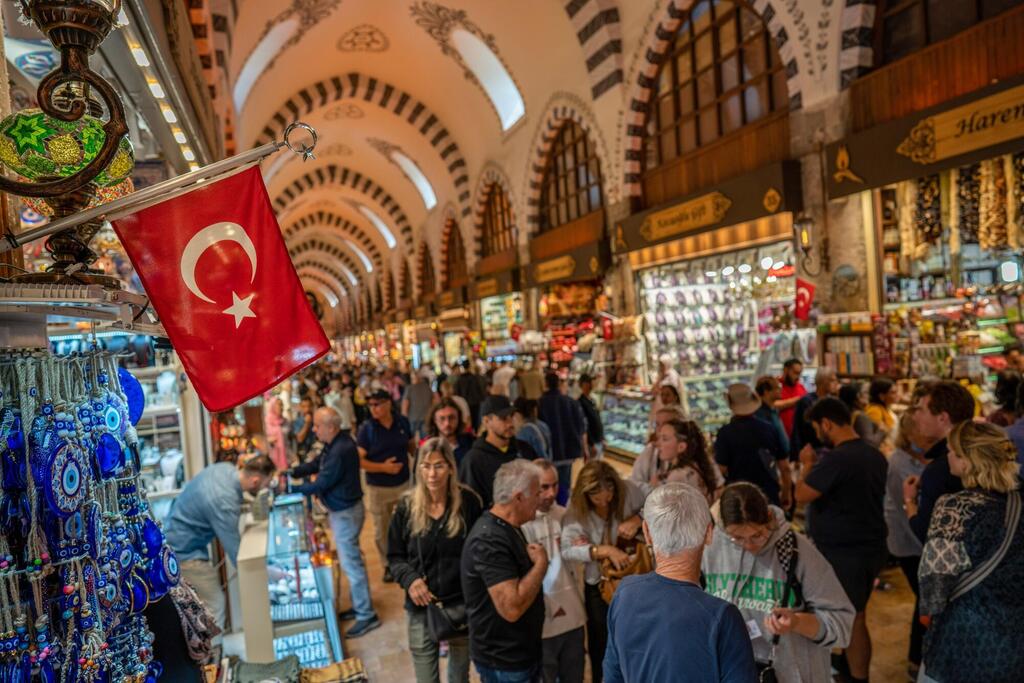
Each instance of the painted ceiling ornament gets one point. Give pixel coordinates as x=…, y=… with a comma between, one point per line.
x=308, y=12
x=439, y=22
x=364, y=38
x=345, y=110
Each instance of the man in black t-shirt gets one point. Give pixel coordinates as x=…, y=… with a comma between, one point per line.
x=749, y=449
x=844, y=490
x=501, y=581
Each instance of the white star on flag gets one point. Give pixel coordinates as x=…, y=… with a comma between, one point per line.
x=240, y=308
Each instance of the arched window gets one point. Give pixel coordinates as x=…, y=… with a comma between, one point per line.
x=427, y=282
x=405, y=288
x=721, y=72
x=389, y=290
x=571, y=187
x=379, y=304
x=498, y=232
x=455, y=273
x=905, y=26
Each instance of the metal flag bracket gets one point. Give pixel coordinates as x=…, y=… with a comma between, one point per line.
x=169, y=188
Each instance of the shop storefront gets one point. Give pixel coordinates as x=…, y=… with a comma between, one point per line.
x=946, y=188
x=500, y=314
x=454, y=325
x=427, y=350
x=570, y=294
x=715, y=285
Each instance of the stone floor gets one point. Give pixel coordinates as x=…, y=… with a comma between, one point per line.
x=386, y=656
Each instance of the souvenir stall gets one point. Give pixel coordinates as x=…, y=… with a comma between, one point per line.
x=715, y=282
x=427, y=350
x=949, y=220
x=454, y=325
x=619, y=361
x=500, y=314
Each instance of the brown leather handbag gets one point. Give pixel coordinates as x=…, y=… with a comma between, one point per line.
x=641, y=562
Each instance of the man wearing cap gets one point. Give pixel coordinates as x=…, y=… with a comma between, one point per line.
x=749, y=449
x=496, y=447
x=385, y=443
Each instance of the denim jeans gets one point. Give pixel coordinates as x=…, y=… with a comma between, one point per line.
x=347, y=525
x=424, y=653
x=489, y=675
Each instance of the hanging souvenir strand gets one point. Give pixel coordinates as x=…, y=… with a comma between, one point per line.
x=992, y=205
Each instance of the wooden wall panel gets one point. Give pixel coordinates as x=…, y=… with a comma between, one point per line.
x=990, y=51
x=589, y=228
x=747, y=149
x=495, y=263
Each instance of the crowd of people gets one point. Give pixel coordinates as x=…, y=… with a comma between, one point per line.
x=524, y=553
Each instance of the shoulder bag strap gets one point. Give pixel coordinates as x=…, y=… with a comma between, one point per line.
x=971, y=579
x=787, y=553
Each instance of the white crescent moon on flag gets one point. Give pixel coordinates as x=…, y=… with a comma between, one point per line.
x=206, y=238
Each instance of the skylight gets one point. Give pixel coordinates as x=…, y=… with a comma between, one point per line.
x=349, y=275
x=382, y=228
x=260, y=57
x=415, y=175
x=361, y=255
x=491, y=74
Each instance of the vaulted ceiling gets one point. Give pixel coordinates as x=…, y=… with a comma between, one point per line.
x=388, y=84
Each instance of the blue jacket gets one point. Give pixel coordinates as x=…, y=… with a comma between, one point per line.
x=565, y=418
x=337, y=468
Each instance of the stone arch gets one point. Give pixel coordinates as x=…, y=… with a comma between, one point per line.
x=308, y=261
x=311, y=276
x=563, y=107
x=491, y=175
x=425, y=266
x=598, y=30
x=653, y=52
x=857, y=34
x=333, y=174
x=333, y=220
x=450, y=224
x=329, y=250
x=404, y=284
x=373, y=91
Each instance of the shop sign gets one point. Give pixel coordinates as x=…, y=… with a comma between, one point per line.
x=423, y=311
x=583, y=263
x=981, y=125
x=486, y=288
x=989, y=121
x=686, y=217
x=764, y=192
x=450, y=298
x=503, y=282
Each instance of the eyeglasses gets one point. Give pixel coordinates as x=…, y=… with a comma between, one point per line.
x=754, y=539
x=434, y=467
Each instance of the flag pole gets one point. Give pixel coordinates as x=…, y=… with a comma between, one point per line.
x=172, y=187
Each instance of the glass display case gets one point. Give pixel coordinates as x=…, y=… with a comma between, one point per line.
x=161, y=436
x=300, y=586
x=625, y=412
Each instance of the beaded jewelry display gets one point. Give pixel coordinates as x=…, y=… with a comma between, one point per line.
x=80, y=554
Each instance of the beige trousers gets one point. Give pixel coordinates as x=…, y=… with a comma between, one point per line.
x=381, y=502
x=205, y=578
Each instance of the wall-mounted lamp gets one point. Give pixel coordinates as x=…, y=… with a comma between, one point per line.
x=807, y=240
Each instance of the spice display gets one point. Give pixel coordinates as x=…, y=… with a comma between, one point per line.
x=968, y=188
x=992, y=233
x=928, y=209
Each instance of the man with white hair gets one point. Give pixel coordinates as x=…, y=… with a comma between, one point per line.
x=650, y=611
x=502, y=578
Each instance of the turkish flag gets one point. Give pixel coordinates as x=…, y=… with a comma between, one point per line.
x=216, y=270
x=804, y=299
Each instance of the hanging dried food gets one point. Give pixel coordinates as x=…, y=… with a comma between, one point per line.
x=992, y=205
x=928, y=210
x=1015, y=200
x=968, y=189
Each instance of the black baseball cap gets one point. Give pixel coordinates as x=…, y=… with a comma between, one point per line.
x=496, y=405
x=379, y=395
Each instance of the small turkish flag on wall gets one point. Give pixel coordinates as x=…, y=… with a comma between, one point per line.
x=804, y=299
x=216, y=269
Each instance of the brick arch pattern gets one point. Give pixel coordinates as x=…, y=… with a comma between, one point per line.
x=857, y=33
x=367, y=89
x=556, y=115
x=390, y=301
x=333, y=174
x=654, y=52
x=598, y=30
x=309, y=274
x=404, y=284
x=491, y=175
x=333, y=220
x=342, y=282
x=330, y=250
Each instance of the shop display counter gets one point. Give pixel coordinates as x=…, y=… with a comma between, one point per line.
x=288, y=589
x=625, y=412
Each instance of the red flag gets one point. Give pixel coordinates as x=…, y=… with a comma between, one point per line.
x=804, y=299
x=215, y=267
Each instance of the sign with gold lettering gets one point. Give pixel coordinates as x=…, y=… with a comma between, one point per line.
x=447, y=299
x=988, y=121
x=688, y=216
x=488, y=287
x=554, y=269
x=981, y=125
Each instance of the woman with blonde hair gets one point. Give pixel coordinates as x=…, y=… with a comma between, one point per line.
x=972, y=566
x=425, y=539
x=603, y=509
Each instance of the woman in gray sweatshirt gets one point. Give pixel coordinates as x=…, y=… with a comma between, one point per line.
x=744, y=565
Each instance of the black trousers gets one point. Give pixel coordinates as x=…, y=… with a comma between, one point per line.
x=597, y=631
x=909, y=566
